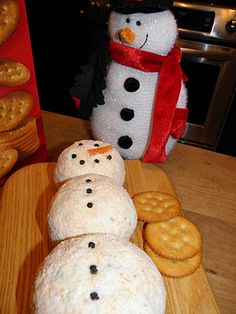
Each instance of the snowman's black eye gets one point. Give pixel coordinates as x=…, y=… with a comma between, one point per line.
x=138, y=23
x=128, y=20
x=73, y=156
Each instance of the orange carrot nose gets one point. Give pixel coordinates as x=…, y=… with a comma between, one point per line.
x=99, y=150
x=127, y=35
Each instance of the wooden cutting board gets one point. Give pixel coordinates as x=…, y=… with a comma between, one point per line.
x=24, y=238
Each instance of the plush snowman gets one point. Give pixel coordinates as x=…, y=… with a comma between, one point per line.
x=143, y=111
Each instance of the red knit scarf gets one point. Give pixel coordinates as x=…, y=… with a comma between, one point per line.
x=166, y=118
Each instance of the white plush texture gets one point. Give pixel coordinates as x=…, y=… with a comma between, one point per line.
x=107, y=124
x=113, y=211
x=67, y=167
x=126, y=281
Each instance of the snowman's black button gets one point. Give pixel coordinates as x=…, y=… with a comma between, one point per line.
x=91, y=245
x=93, y=269
x=131, y=84
x=94, y=296
x=90, y=205
x=89, y=191
x=127, y=114
x=125, y=142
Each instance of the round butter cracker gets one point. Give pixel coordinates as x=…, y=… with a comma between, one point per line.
x=174, y=268
x=155, y=206
x=14, y=107
x=13, y=73
x=27, y=126
x=177, y=238
x=9, y=18
x=8, y=159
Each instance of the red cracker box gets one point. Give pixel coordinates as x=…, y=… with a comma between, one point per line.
x=17, y=46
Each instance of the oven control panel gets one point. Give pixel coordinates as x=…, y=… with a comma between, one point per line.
x=206, y=22
x=196, y=20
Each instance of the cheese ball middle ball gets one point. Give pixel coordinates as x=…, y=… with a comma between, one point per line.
x=91, y=204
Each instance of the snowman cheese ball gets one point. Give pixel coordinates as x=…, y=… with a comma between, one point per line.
x=144, y=109
x=98, y=274
x=88, y=156
x=91, y=204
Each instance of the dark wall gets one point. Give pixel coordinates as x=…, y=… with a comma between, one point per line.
x=60, y=43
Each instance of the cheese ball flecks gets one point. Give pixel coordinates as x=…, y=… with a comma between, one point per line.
x=91, y=204
x=98, y=274
x=88, y=156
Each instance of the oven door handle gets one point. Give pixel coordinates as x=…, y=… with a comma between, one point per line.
x=213, y=56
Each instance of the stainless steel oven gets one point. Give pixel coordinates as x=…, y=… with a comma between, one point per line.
x=207, y=37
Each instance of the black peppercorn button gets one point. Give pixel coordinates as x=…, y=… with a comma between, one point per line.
x=82, y=162
x=97, y=161
x=125, y=142
x=91, y=245
x=88, y=180
x=109, y=157
x=93, y=269
x=131, y=84
x=94, y=296
x=89, y=191
x=90, y=205
x=73, y=156
x=127, y=114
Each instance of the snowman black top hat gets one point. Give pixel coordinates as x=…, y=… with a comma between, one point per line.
x=140, y=6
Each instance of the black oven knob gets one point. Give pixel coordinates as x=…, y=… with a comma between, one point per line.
x=231, y=26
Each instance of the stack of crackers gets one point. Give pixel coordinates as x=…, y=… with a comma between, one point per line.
x=18, y=131
x=173, y=242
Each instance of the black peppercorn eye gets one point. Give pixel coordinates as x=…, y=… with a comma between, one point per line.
x=82, y=162
x=138, y=23
x=96, y=145
x=91, y=245
x=88, y=180
x=73, y=156
x=109, y=157
x=128, y=20
x=80, y=144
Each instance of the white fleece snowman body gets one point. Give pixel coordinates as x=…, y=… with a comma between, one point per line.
x=125, y=120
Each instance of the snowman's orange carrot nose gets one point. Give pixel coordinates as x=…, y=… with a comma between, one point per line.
x=99, y=150
x=127, y=35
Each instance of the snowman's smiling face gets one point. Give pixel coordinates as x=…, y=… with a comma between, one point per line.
x=154, y=32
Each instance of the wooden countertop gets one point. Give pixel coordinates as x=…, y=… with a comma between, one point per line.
x=205, y=183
